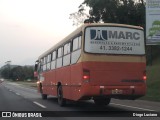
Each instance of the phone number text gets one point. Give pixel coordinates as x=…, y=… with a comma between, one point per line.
x=116, y=48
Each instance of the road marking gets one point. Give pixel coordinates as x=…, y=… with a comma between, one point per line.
x=17, y=94
x=39, y=104
x=10, y=90
x=132, y=107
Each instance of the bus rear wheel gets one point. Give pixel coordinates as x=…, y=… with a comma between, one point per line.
x=61, y=100
x=102, y=101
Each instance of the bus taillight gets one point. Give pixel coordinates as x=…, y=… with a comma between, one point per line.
x=144, y=75
x=86, y=74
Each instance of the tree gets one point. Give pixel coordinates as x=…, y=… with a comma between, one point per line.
x=18, y=72
x=28, y=72
x=115, y=11
x=6, y=72
x=80, y=16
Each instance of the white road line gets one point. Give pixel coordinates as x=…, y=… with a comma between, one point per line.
x=17, y=94
x=39, y=104
x=132, y=107
x=10, y=90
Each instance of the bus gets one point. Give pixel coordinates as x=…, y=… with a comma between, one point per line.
x=97, y=61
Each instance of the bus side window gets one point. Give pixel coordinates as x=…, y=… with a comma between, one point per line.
x=76, y=47
x=41, y=65
x=79, y=41
x=75, y=43
x=67, y=48
x=44, y=64
x=67, y=56
x=49, y=62
x=60, y=52
x=53, y=63
x=59, y=57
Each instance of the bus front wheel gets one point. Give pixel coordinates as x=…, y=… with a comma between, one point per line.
x=61, y=100
x=44, y=96
x=102, y=101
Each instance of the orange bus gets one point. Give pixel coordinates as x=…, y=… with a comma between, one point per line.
x=96, y=61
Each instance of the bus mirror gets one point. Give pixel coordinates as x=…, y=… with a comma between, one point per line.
x=36, y=69
x=36, y=66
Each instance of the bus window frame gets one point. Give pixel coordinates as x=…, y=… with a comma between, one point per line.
x=61, y=51
x=67, y=48
x=53, y=59
x=48, y=61
x=68, y=53
x=59, y=57
x=79, y=47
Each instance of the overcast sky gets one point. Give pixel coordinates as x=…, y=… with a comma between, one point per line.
x=30, y=27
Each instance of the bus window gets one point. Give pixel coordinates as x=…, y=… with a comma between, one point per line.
x=59, y=59
x=49, y=58
x=44, y=64
x=76, y=50
x=67, y=48
x=54, y=55
x=48, y=62
x=79, y=41
x=67, y=56
x=60, y=52
x=53, y=63
x=41, y=65
x=75, y=44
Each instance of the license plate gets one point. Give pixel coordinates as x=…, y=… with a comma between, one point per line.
x=117, y=91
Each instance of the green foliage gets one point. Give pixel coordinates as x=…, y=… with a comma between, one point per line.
x=152, y=53
x=6, y=72
x=155, y=28
x=114, y=11
x=18, y=73
x=153, y=81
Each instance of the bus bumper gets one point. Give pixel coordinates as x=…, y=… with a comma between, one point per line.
x=119, y=92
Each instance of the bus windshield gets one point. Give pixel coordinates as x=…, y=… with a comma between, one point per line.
x=114, y=40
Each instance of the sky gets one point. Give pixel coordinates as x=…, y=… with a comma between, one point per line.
x=30, y=27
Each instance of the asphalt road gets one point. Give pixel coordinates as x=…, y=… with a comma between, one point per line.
x=16, y=97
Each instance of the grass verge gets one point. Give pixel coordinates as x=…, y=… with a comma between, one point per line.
x=153, y=82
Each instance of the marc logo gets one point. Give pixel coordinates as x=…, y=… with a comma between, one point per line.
x=98, y=34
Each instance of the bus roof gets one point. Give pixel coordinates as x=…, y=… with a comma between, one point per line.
x=78, y=30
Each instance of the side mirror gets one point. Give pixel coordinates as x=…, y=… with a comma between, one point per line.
x=36, y=69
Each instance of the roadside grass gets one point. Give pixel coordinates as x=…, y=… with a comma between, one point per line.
x=153, y=81
x=29, y=83
x=26, y=83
